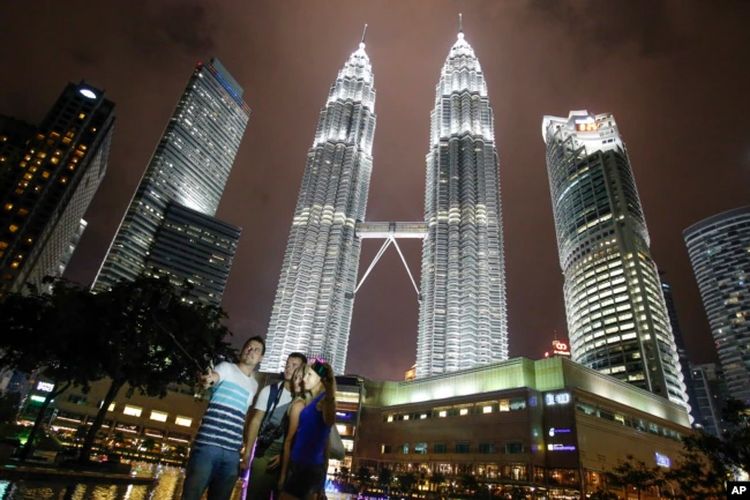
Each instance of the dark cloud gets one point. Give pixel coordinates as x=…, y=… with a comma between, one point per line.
x=186, y=25
x=649, y=28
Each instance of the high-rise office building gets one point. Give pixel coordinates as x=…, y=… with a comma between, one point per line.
x=710, y=396
x=679, y=341
x=719, y=249
x=617, y=318
x=195, y=250
x=189, y=167
x=462, y=317
x=49, y=185
x=313, y=305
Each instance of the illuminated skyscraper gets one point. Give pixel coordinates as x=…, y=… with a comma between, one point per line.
x=719, y=249
x=190, y=168
x=462, y=317
x=48, y=177
x=195, y=248
x=617, y=318
x=313, y=306
x=679, y=340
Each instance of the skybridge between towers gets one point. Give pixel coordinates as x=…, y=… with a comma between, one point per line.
x=390, y=232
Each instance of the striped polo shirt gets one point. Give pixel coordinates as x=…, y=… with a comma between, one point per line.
x=224, y=420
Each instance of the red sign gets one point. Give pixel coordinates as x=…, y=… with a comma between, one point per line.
x=560, y=348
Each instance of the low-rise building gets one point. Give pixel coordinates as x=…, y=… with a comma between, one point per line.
x=136, y=426
x=548, y=425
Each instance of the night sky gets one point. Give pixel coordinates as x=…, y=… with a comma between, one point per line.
x=675, y=74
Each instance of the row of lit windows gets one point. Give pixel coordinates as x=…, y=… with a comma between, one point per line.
x=156, y=415
x=504, y=405
x=510, y=448
x=635, y=423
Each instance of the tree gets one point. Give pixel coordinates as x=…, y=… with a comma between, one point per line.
x=385, y=476
x=469, y=482
x=732, y=449
x=603, y=495
x=407, y=481
x=141, y=333
x=153, y=337
x=51, y=335
x=363, y=475
x=9, y=407
x=437, y=478
x=634, y=473
x=708, y=461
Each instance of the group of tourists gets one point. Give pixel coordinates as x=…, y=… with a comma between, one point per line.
x=287, y=441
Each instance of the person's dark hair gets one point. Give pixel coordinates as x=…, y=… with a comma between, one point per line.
x=325, y=372
x=256, y=338
x=299, y=371
x=299, y=356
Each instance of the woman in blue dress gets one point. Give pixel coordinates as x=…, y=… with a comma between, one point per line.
x=308, y=434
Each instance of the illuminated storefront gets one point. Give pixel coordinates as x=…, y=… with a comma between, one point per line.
x=552, y=425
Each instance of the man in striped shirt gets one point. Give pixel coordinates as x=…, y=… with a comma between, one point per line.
x=215, y=459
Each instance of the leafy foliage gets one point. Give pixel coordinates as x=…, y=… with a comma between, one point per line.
x=141, y=333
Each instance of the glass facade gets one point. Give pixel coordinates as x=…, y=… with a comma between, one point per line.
x=617, y=317
x=687, y=377
x=314, y=299
x=49, y=178
x=189, y=167
x=710, y=395
x=719, y=249
x=196, y=251
x=462, y=317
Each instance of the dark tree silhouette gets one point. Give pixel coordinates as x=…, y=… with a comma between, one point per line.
x=154, y=337
x=53, y=335
x=634, y=473
x=142, y=333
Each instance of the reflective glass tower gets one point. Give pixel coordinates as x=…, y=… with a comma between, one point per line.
x=617, y=318
x=719, y=249
x=462, y=317
x=313, y=306
x=48, y=177
x=189, y=167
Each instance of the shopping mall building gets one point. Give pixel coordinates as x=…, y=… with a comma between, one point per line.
x=551, y=425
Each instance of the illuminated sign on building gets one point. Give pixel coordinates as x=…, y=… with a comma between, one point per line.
x=561, y=447
x=587, y=126
x=559, y=348
x=561, y=398
x=45, y=387
x=558, y=430
x=663, y=460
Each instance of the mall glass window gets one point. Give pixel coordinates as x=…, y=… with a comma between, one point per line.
x=463, y=448
x=487, y=448
x=514, y=447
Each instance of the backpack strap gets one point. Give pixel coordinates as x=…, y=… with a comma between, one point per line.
x=274, y=397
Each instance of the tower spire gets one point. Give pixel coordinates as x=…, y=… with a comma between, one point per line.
x=364, y=34
x=460, y=22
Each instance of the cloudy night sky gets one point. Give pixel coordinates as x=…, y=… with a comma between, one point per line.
x=674, y=74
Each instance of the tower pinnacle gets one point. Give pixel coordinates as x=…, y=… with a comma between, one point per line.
x=364, y=34
x=460, y=24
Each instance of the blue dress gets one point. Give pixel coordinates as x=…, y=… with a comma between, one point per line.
x=311, y=437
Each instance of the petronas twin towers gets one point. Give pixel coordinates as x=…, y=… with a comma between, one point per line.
x=462, y=316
